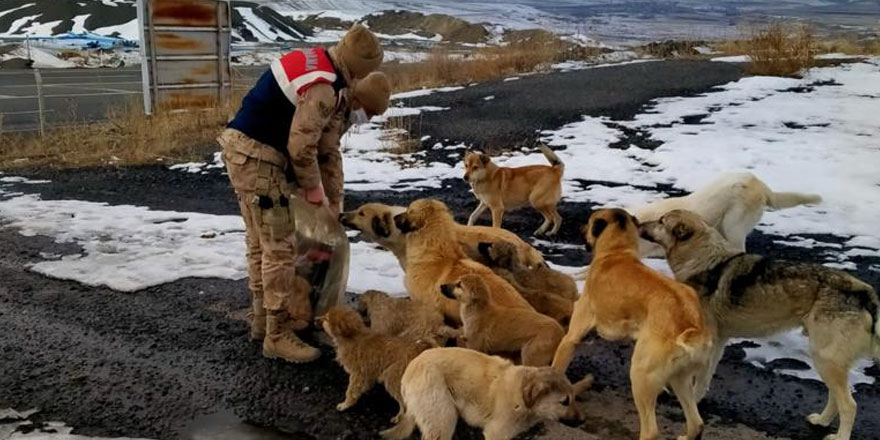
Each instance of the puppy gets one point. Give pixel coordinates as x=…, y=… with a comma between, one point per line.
x=486, y=391
x=405, y=318
x=434, y=258
x=366, y=356
x=375, y=221
x=490, y=328
x=748, y=295
x=549, y=291
x=502, y=188
x=623, y=298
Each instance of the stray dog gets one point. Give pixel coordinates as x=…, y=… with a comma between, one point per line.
x=623, y=298
x=489, y=392
x=490, y=328
x=749, y=295
x=502, y=188
x=434, y=258
x=368, y=357
x=733, y=204
x=406, y=318
x=549, y=291
x=375, y=221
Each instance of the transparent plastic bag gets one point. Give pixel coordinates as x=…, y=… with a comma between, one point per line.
x=322, y=253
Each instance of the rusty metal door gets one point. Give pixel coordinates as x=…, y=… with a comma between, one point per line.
x=186, y=45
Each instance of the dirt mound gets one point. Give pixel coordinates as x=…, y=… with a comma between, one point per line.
x=404, y=22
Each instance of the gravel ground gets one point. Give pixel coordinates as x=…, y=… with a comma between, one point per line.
x=146, y=364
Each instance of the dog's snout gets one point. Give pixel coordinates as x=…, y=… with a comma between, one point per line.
x=447, y=290
x=467, y=177
x=645, y=231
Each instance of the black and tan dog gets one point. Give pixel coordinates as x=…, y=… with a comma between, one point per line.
x=624, y=298
x=748, y=295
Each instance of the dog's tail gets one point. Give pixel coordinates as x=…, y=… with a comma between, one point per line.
x=554, y=160
x=782, y=200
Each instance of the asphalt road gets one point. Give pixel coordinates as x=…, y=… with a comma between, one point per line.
x=147, y=364
x=75, y=95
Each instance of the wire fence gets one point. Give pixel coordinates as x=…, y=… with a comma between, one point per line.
x=36, y=99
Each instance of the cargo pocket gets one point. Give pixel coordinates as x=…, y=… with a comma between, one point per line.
x=242, y=171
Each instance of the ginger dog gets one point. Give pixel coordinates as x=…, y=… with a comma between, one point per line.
x=623, y=298
x=368, y=357
x=375, y=221
x=501, y=188
x=435, y=258
x=406, y=318
x=492, y=329
x=549, y=291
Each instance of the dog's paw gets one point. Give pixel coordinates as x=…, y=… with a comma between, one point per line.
x=832, y=437
x=343, y=406
x=818, y=420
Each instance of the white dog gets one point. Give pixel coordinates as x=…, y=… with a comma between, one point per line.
x=733, y=204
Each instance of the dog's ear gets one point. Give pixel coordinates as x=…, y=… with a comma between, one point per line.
x=403, y=223
x=535, y=386
x=682, y=232
x=348, y=324
x=598, y=226
x=620, y=217
x=382, y=225
x=484, y=158
x=484, y=248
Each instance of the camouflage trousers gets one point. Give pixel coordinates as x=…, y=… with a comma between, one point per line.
x=256, y=172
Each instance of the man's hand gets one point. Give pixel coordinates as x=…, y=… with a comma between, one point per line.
x=314, y=195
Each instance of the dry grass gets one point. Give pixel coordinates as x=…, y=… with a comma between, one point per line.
x=127, y=136
x=780, y=50
x=402, y=135
x=444, y=66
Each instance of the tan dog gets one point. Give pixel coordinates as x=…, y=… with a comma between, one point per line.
x=406, y=318
x=748, y=295
x=434, y=258
x=549, y=291
x=623, y=298
x=375, y=221
x=502, y=188
x=493, y=329
x=443, y=384
x=368, y=357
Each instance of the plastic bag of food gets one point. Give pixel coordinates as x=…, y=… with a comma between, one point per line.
x=322, y=254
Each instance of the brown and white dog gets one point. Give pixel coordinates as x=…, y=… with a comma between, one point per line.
x=623, y=298
x=375, y=221
x=502, y=188
x=434, y=257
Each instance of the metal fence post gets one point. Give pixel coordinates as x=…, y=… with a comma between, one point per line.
x=39, y=80
x=145, y=67
x=27, y=42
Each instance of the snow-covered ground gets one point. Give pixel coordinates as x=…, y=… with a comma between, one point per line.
x=15, y=425
x=817, y=134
